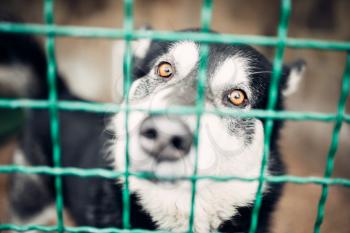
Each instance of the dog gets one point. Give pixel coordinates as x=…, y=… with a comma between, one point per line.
x=165, y=75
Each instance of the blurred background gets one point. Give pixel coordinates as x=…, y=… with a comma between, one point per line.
x=88, y=67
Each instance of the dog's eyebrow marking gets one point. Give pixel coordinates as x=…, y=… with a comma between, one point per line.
x=233, y=70
x=186, y=56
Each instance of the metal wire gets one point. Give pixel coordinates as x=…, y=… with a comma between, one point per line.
x=334, y=144
x=53, y=110
x=277, y=69
x=128, y=26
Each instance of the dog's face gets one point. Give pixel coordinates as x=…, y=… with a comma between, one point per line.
x=238, y=78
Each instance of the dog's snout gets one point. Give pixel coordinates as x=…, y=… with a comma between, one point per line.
x=165, y=138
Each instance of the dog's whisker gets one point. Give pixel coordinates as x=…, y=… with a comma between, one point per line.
x=262, y=72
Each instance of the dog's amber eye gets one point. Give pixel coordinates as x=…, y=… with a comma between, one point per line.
x=165, y=70
x=237, y=97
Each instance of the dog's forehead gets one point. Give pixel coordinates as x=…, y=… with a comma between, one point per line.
x=185, y=55
x=232, y=70
x=223, y=65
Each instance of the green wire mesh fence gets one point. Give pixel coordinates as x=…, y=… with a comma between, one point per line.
x=281, y=41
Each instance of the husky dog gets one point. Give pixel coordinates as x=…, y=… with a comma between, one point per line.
x=238, y=77
x=165, y=75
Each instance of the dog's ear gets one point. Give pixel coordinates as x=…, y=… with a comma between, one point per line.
x=293, y=73
x=139, y=48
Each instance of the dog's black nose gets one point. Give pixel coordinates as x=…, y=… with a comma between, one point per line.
x=165, y=138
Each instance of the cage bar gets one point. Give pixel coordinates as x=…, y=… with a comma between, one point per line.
x=272, y=99
x=114, y=108
x=334, y=144
x=53, y=110
x=105, y=33
x=206, y=14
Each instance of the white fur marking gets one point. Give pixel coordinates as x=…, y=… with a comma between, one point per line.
x=293, y=82
x=232, y=71
x=19, y=158
x=186, y=56
x=220, y=155
x=16, y=80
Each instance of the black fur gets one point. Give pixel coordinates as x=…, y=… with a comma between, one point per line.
x=24, y=49
x=97, y=201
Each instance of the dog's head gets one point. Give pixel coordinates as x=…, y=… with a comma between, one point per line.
x=238, y=77
x=23, y=65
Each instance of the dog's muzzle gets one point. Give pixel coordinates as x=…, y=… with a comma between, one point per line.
x=165, y=138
